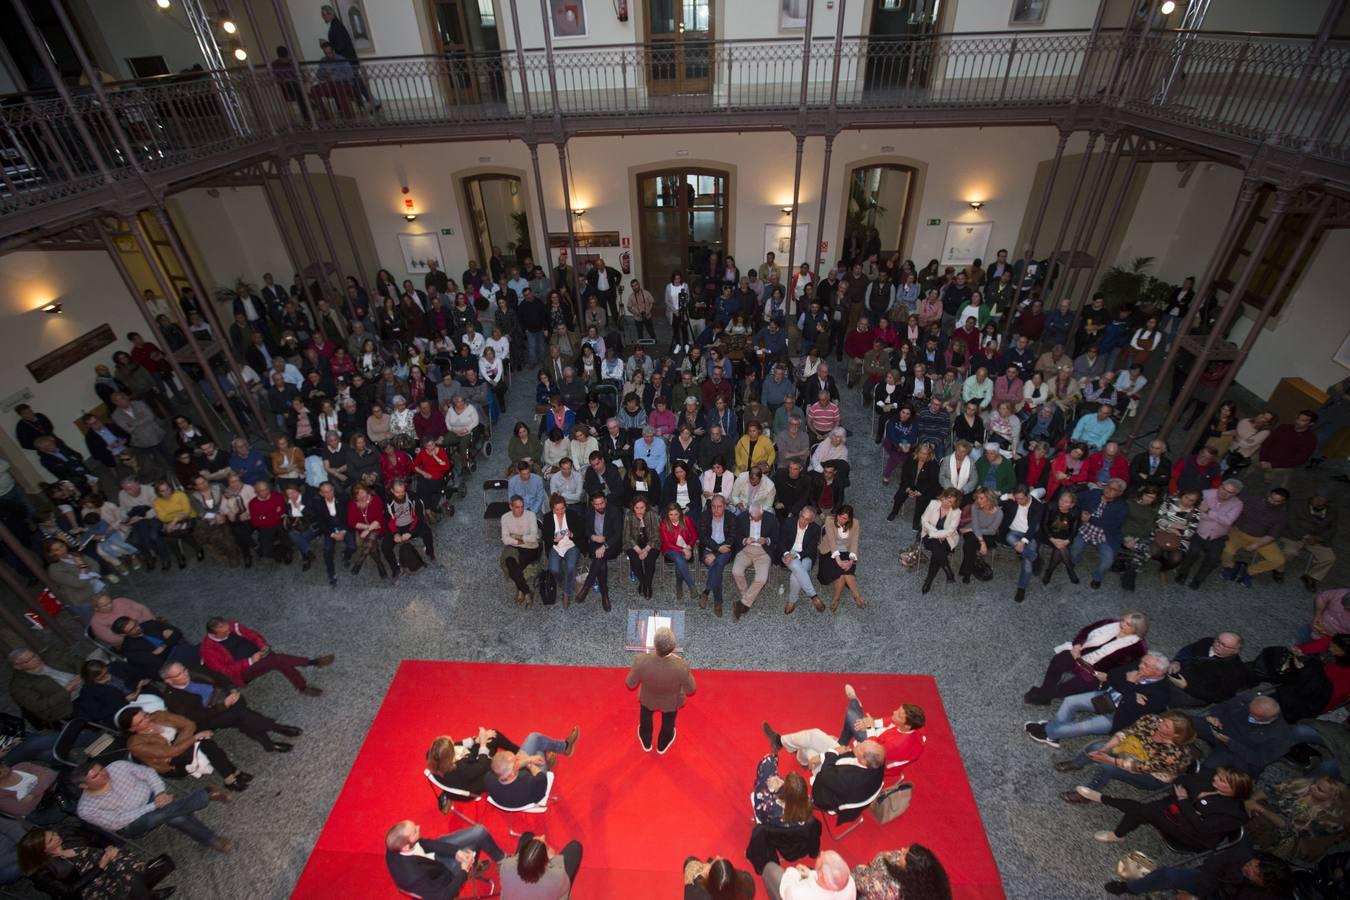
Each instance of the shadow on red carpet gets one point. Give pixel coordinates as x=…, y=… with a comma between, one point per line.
x=638, y=815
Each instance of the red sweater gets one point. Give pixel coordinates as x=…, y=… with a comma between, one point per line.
x=857, y=343
x=218, y=658
x=400, y=467
x=267, y=513
x=669, y=534
x=1287, y=448
x=151, y=358
x=1339, y=676
x=374, y=512
x=1119, y=467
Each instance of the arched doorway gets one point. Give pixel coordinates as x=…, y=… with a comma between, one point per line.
x=683, y=221
x=497, y=219
x=877, y=218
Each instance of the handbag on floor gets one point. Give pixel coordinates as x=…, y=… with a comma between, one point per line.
x=408, y=557
x=891, y=804
x=1135, y=864
x=548, y=588
x=982, y=570
x=911, y=557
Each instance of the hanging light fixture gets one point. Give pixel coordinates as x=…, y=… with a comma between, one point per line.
x=240, y=54
x=1167, y=8
x=162, y=4
x=228, y=26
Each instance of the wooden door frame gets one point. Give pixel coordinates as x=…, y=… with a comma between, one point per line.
x=918, y=171
x=715, y=27
x=684, y=167
x=470, y=223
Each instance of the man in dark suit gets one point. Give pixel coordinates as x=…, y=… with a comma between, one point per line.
x=1153, y=466
x=603, y=281
x=259, y=355
x=1022, y=515
x=1178, y=306
x=758, y=537
x=437, y=869
x=63, y=462
x=330, y=520
x=601, y=540
x=839, y=775
x=1243, y=735
x=918, y=380
x=719, y=535
x=797, y=547
x=604, y=478
x=822, y=380
x=147, y=646
x=1142, y=689
x=213, y=703
x=1207, y=671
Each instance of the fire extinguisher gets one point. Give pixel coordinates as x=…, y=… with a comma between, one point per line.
x=621, y=7
x=626, y=262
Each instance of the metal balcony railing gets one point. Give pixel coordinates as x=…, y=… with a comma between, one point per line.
x=1290, y=92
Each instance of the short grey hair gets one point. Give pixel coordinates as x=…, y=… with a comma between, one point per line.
x=1117, y=483
x=664, y=642
x=1138, y=620
x=1159, y=660
x=756, y=508
x=873, y=754
x=1234, y=484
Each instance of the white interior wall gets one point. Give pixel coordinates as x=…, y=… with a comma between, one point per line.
x=233, y=234
x=1263, y=16
x=396, y=27
x=92, y=294
x=119, y=29
x=993, y=15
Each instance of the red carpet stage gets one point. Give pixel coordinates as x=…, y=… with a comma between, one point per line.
x=638, y=815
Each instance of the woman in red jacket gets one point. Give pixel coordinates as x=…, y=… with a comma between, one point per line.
x=1067, y=470
x=395, y=464
x=432, y=467
x=365, y=516
x=678, y=540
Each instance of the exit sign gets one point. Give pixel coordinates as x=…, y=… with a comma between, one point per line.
x=934, y=221
x=447, y=231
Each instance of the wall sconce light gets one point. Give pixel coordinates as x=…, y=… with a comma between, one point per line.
x=228, y=26
x=787, y=210
x=162, y=4
x=976, y=204
x=53, y=308
x=1167, y=8
x=411, y=217
x=240, y=53
x=579, y=211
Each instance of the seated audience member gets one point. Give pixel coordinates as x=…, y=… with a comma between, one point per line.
x=797, y=550
x=1199, y=813
x=23, y=788
x=437, y=868
x=1331, y=615
x=1096, y=649
x=81, y=870
x=1103, y=519
x=1235, y=871
x=43, y=691
x=102, y=697
x=665, y=681
x=520, y=546
x=1095, y=429
x=1020, y=529
x=131, y=799
x=912, y=871
x=829, y=880
x=1207, y=671
x=1140, y=690
x=1152, y=467
x=519, y=779
x=1256, y=531
x=1301, y=818
x=538, y=872
x=839, y=775
x=149, y=645
x=171, y=745
x=217, y=705
x=241, y=655
x=1311, y=529
x=1149, y=754
x=716, y=879
x=464, y=765
x=1200, y=472
x=778, y=800
x=1245, y=735
x=108, y=609
x=940, y=532
x=1314, y=680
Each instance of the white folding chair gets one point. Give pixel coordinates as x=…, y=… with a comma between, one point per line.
x=540, y=808
x=456, y=795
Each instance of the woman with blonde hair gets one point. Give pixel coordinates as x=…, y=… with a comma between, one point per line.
x=1149, y=754
x=1301, y=818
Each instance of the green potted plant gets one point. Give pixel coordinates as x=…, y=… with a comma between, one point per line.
x=1126, y=284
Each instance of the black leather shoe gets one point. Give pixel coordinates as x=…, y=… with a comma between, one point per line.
x=289, y=730
x=281, y=747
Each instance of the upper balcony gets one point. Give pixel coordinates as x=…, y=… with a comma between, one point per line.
x=1228, y=93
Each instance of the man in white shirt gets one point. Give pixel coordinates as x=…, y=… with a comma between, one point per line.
x=461, y=421
x=829, y=880
x=752, y=488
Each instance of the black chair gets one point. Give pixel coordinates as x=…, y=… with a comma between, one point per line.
x=493, y=510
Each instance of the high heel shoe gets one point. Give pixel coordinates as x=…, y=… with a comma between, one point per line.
x=927, y=585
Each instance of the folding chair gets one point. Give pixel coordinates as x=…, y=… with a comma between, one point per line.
x=830, y=816
x=456, y=794
x=105, y=647
x=493, y=510
x=540, y=808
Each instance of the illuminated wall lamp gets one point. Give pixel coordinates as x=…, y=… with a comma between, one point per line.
x=411, y=217
x=1167, y=8
x=579, y=211
x=53, y=309
x=787, y=210
x=162, y=4
x=976, y=204
x=228, y=26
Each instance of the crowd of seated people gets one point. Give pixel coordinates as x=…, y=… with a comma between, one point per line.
x=729, y=453
x=1212, y=751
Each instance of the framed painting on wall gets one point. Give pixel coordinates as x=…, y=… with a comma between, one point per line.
x=966, y=242
x=567, y=18
x=358, y=25
x=1028, y=12
x=418, y=251
x=792, y=15
x=1342, y=356
x=778, y=241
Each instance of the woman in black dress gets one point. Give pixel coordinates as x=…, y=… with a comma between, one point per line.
x=918, y=482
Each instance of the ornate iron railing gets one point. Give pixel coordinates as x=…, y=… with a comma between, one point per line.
x=1289, y=92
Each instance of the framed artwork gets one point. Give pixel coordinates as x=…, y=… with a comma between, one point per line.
x=1342, y=356
x=567, y=18
x=778, y=241
x=792, y=15
x=68, y=354
x=966, y=242
x=1028, y=12
x=418, y=250
x=358, y=25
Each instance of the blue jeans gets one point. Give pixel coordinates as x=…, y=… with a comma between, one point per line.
x=799, y=579
x=300, y=540
x=1106, y=554
x=536, y=346
x=564, y=568
x=851, y=732
x=1306, y=734
x=476, y=838
x=146, y=535
x=1063, y=724
x=715, y=570
x=330, y=551
x=1168, y=878
x=177, y=815
x=540, y=744
x=1028, y=557
x=681, y=568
